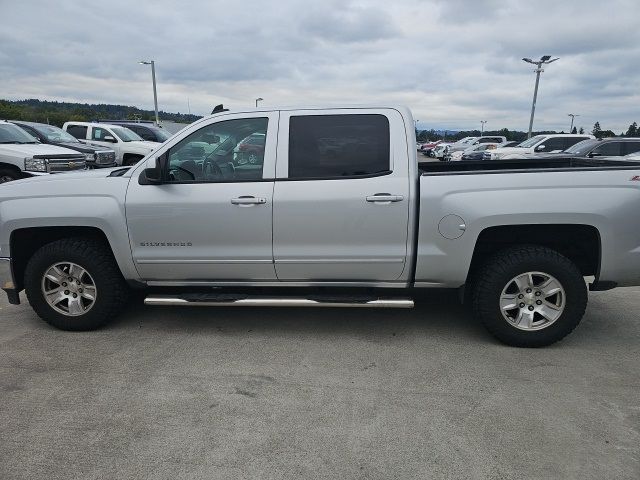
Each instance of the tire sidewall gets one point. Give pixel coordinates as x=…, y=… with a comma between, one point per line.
x=575, y=301
x=36, y=268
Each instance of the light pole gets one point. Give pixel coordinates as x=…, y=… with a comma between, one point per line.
x=546, y=59
x=482, y=127
x=155, y=93
x=258, y=100
x=573, y=116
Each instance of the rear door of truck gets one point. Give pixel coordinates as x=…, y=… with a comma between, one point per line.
x=341, y=196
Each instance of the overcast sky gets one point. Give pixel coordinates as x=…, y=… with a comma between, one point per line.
x=453, y=63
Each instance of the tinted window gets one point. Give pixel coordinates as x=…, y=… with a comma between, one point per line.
x=218, y=153
x=78, y=131
x=333, y=146
x=630, y=147
x=99, y=133
x=553, y=143
x=608, y=149
x=145, y=133
x=570, y=141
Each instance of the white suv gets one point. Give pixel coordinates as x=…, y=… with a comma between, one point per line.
x=128, y=145
x=540, y=143
x=22, y=155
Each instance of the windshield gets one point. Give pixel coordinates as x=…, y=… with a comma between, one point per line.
x=126, y=135
x=162, y=134
x=55, y=134
x=10, y=133
x=531, y=142
x=580, y=147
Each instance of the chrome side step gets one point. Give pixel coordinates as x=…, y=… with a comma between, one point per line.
x=204, y=300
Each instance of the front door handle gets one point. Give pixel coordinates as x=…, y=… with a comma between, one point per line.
x=248, y=200
x=384, y=198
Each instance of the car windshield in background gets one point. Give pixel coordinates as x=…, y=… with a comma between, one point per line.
x=580, y=147
x=162, y=135
x=10, y=133
x=531, y=142
x=55, y=134
x=126, y=135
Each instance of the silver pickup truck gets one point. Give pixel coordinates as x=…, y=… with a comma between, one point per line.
x=322, y=207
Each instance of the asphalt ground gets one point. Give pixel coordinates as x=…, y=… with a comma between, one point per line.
x=170, y=393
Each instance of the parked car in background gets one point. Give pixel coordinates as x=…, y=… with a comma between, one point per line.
x=471, y=141
x=427, y=148
x=547, y=143
x=22, y=155
x=145, y=129
x=510, y=144
x=128, y=145
x=605, y=147
x=475, y=152
x=96, y=157
x=439, y=151
x=250, y=149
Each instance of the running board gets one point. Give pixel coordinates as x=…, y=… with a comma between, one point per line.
x=222, y=300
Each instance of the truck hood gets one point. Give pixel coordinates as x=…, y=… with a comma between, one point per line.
x=30, y=149
x=41, y=184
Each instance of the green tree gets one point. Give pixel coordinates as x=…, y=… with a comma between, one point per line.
x=633, y=130
x=581, y=131
x=597, y=130
x=574, y=131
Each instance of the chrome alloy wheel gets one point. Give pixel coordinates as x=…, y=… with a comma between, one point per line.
x=69, y=289
x=532, y=301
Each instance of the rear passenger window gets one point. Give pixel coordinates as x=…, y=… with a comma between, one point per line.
x=77, y=131
x=338, y=146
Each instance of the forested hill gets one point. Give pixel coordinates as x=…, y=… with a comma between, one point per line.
x=56, y=113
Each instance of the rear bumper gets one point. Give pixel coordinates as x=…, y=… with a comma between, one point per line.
x=6, y=281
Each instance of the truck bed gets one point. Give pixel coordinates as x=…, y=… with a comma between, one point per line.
x=506, y=166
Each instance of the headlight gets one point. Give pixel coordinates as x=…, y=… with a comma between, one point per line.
x=35, y=164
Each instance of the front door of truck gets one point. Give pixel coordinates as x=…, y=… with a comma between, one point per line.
x=212, y=218
x=341, y=198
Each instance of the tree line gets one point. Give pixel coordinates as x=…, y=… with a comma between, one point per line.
x=56, y=113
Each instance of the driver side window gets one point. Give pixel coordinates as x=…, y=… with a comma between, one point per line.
x=227, y=151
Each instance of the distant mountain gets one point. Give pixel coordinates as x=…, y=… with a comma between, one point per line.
x=56, y=113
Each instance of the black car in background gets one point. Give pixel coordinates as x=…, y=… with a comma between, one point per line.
x=147, y=130
x=592, y=148
x=96, y=157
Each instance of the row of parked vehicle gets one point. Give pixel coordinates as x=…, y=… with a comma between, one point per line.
x=31, y=149
x=539, y=146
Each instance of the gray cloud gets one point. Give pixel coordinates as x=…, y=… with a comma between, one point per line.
x=453, y=62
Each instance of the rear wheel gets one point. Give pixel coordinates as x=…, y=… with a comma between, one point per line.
x=529, y=296
x=75, y=284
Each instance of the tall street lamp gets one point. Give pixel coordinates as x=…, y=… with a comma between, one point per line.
x=573, y=116
x=546, y=59
x=259, y=99
x=155, y=93
x=482, y=127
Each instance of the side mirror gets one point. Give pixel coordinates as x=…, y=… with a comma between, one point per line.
x=540, y=148
x=595, y=154
x=109, y=138
x=157, y=174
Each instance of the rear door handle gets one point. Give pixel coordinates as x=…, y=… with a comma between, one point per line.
x=248, y=200
x=384, y=198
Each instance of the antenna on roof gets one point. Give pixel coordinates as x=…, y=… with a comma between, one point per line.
x=218, y=109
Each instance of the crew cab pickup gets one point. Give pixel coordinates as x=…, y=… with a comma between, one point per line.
x=22, y=155
x=357, y=225
x=130, y=148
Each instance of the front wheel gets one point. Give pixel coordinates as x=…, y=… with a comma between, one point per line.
x=529, y=296
x=9, y=175
x=75, y=284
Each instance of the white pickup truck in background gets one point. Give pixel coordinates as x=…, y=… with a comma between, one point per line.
x=548, y=143
x=22, y=155
x=333, y=210
x=130, y=148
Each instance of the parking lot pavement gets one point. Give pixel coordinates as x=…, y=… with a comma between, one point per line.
x=168, y=393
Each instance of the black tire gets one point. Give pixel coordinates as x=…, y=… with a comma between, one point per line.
x=9, y=174
x=495, y=275
x=96, y=258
